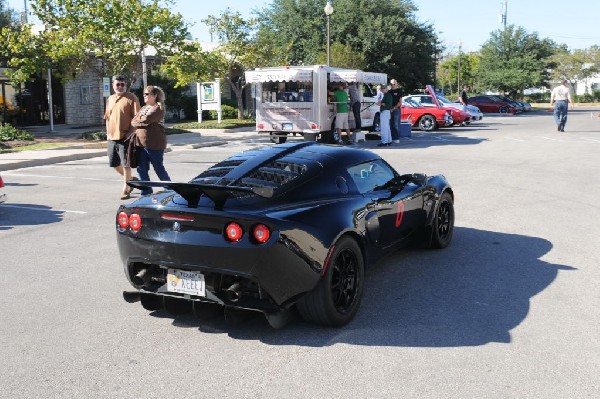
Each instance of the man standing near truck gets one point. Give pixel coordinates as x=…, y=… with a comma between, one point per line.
x=341, y=113
x=395, y=116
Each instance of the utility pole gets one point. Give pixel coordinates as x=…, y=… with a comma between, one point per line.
x=459, y=50
x=503, y=11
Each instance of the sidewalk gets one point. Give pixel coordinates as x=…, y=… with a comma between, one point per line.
x=76, y=149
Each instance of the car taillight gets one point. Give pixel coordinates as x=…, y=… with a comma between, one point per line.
x=261, y=126
x=314, y=126
x=233, y=232
x=135, y=222
x=123, y=220
x=261, y=233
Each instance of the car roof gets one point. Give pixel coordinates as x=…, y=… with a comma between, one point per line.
x=282, y=166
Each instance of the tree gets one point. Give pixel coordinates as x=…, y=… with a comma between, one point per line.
x=239, y=50
x=512, y=60
x=448, y=72
x=576, y=65
x=109, y=35
x=386, y=33
x=8, y=17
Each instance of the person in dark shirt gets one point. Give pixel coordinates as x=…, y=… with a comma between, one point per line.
x=396, y=94
x=385, y=105
x=464, y=97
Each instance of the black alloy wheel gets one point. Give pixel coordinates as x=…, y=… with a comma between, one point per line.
x=336, y=299
x=443, y=224
x=503, y=110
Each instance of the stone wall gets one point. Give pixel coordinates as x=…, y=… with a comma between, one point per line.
x=84, y=104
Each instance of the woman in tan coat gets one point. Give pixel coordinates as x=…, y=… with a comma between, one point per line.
x=151, y=139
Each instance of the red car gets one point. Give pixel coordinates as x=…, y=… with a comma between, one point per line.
x=2, y=195
x=425, y=118
x=492, y=104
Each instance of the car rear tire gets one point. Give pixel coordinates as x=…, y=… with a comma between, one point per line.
x=336, y=298
x=443, y=222
x=427, y=123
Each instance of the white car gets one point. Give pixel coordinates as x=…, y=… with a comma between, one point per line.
x=426, y=101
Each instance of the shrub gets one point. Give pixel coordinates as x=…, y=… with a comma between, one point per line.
x=11, y=133
x=227, y=112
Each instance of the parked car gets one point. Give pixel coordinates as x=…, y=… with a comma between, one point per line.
x=270, y=229
x=521, y=105
x=457, y=112
x=2, y=193
x=492, y=104
x=425, y=118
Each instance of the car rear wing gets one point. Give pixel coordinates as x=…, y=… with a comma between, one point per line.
x=192, y=192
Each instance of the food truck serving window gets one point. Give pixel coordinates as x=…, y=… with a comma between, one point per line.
x=287, y=92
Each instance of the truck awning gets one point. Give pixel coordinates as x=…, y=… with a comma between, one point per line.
x=358, y=76
x=284, y=75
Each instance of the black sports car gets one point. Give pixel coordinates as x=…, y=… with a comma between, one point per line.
x=278, y=227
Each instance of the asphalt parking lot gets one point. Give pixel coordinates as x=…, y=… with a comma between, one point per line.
x=509, y=310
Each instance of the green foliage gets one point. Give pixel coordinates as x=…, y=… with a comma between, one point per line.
x=109, y=35
x=238, y=51
x=212, y=124
x=386, y=33
x=8, y=16
x=227, y=112
x=512, y=60
x=96, y=135
x=11, y=133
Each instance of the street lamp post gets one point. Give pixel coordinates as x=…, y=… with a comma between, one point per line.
x=328, y=11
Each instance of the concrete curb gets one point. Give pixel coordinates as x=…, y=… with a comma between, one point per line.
x=28, y=163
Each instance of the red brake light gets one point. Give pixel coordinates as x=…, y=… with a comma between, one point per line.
x=314, y=126
x=261, y=126
x=233, y=232
x=135, y=222
x=123, y=220
x=261, y=233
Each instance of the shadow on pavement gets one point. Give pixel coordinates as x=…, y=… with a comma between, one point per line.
x=472, y=293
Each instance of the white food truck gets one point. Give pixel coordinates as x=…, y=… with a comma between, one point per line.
x=295, y=99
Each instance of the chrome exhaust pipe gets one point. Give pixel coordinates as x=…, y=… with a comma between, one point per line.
x=131, y=296
x=141, y=278
x=234, y=293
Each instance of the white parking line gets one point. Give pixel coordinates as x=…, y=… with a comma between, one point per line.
x=591, y=139
x=34, y=208
x=513, y=139
x=57, y=177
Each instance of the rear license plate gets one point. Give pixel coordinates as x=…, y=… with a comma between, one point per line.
x=287, y=126
x=185, y=282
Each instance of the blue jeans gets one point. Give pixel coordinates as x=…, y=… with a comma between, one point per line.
x=356, y=113
x=386, y=135
x=561, y=108
x=145, y=157
x=395, y=124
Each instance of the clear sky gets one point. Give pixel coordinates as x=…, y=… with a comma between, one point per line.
x=468, y=23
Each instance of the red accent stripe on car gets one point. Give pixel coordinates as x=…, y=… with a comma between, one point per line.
x=327, y=260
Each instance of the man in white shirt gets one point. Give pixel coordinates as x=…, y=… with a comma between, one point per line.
x=560, y=99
